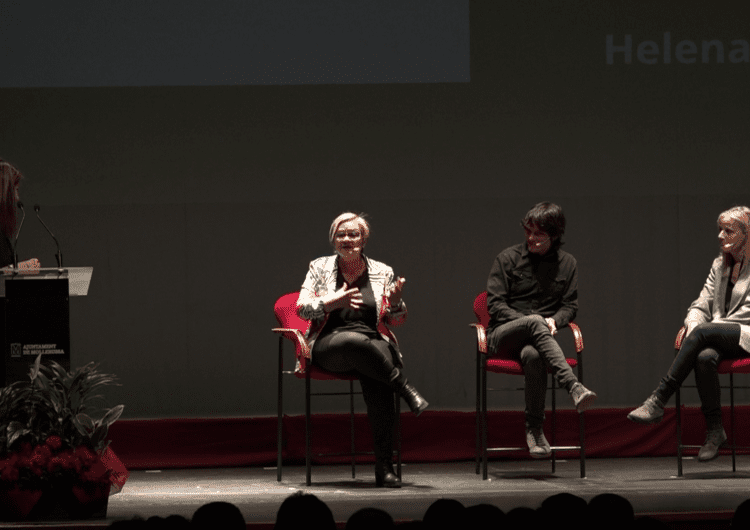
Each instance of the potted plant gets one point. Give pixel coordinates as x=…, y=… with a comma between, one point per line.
x=54, y=456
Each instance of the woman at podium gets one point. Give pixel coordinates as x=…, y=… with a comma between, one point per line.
x=349, y=298
x=10, y=180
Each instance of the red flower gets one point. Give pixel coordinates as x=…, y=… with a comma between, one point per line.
x=69, y=461
x=54, y=442
x=41, y=455
x=8, y=469
x=9, y=473
x=85, y=455
x=55, y=463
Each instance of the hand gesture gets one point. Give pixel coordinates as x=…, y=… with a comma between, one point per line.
x=551, y=325
x=394, y=294
x=344, y=298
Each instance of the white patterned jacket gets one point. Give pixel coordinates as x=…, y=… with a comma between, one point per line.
x=320, y=284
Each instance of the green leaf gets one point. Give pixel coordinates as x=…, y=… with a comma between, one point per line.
x=15, y=431
x=84, y=424
x=99, y=435
x=112, y=415
x=42, y=381
x=35, y=369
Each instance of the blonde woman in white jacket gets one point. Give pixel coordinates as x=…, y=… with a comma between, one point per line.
x=349, y=298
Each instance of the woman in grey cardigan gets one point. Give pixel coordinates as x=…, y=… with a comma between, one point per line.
x=718, y=327
x=349, y=298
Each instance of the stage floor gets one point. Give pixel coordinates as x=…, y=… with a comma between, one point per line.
x=707, y=491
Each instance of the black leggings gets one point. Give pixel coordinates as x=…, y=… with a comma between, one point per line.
x=372, y=361
x=348, y=351
x=702, y=351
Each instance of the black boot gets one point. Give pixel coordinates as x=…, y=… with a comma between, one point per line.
x=385, y=476
x=381, y=411
x=413, y=398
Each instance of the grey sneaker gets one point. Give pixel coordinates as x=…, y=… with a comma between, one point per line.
x=582, y=397
x=538, y=444
x=715, y=438
x=652, y=411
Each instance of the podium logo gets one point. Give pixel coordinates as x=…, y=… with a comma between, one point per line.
x=15, y=349
x=684, y=52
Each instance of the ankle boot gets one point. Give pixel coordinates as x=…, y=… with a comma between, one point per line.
x=651, y=411
x=415, y=401
x=413, y=398
x=385, y=476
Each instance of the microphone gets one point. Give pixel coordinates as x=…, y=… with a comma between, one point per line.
x=58, y=256
x=18, y=233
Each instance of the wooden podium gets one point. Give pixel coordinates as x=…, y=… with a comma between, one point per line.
x=36, y=317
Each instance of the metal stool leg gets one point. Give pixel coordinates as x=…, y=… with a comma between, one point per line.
x=477, y=417
x=280, y=411
x=484, y=420
x=731, y=421
x=308, y=434
x=351, y=426
x=554, y=422
x=678, y=406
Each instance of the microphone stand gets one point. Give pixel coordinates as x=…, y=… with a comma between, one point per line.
x=58, y=256
x=18, y=233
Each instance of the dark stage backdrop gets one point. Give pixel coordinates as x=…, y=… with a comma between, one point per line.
x=199, y=205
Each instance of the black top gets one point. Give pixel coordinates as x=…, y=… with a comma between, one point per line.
x=728, y=296
x=730, y=284
x=522, y=283
x=363, y=320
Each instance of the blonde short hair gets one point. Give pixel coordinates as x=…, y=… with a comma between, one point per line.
x=345, y=218
x=741, y=215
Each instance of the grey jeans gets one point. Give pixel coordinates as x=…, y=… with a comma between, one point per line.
x=529, y=340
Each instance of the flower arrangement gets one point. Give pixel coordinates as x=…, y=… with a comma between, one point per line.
x=49, y=440
x=34, y=467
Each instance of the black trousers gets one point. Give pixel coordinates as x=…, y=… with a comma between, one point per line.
x=372, y=360
x=702, y=350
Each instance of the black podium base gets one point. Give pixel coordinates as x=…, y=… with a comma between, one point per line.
x=37, y=321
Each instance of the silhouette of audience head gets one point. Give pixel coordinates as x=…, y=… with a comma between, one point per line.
x=444, y=513
x=481, y=516
x=522, y=518
x=609, y=510
x=171, y=522
x=218, y=515
x=304, y=510
x=741, y=517
x=370, y=519
x=563, y=507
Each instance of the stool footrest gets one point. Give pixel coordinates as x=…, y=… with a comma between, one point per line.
x=553, y=448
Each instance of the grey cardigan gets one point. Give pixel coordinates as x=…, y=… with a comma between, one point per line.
x=709, y=306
